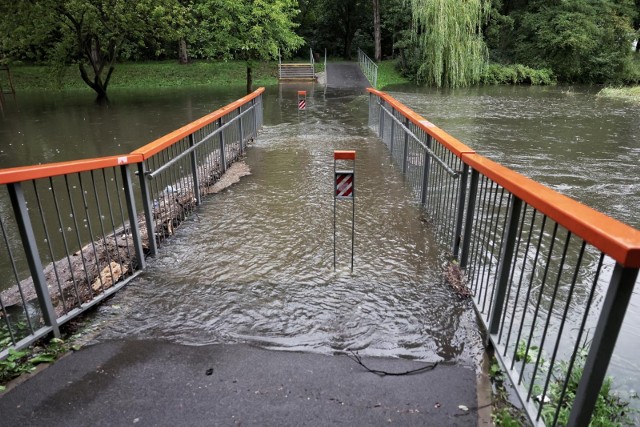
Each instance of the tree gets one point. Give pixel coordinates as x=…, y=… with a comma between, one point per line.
x=584, y=41
x=377, y=30
x=89, y=33
x=341, y=20
x=246, y=29
x=449, y=36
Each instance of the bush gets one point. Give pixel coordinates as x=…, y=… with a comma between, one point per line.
x=496, y=74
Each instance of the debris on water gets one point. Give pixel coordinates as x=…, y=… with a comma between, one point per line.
x=455, y=277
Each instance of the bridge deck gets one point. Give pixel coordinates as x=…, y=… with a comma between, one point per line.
x=153, y=383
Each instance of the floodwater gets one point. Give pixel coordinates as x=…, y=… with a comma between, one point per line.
x=256, y=264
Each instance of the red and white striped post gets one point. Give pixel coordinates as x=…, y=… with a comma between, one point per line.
x=302, y=100
x=344, y=189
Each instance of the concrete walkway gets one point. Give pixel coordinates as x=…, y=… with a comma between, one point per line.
x=150, y=383
x=346, y=75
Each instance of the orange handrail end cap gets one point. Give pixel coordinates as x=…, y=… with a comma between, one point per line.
x=344, y=155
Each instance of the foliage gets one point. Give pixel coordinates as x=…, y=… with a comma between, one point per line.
x=452, y=51
x=610, y=409
x=516, y=74
x=628, y=93
x=582, y=41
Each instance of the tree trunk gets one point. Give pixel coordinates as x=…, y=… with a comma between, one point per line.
x=376, y=30
x=183, y=53
x=249, y=79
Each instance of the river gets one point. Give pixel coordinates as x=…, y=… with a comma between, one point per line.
x=256, y=264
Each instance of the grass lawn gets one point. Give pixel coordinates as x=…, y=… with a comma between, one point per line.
x=148, y=75
x=389, y=75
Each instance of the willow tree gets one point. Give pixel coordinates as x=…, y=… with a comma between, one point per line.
x=448, y=34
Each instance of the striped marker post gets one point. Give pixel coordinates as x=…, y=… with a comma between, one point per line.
x=302, y=100
x=344, y=189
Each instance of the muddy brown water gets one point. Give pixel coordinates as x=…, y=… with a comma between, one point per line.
x=256, y=264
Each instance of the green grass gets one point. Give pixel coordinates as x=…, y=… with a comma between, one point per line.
x=388, y=74
x=631, y=93
x=143, y=75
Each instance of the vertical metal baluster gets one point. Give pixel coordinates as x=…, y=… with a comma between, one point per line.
x=104, y=236
x=513, y=270
x=425, y=172
x=462, y=198
x=381, y=121
x=53, y=258
x=64, y=240
x=27, y=236
x=148, y=208
x=17, y=279
x=241, y=131
x=567, y=304
x=91, y=235
x=495, y=246
x=111, y=217
x=133, y=216
x=194, y=172
x=543, y=283
x=223, y=160
x=469, y=217
x=528, y=296
x=520, y=281
x=504, y=264
x=77, y=228
x=123, y=218
x=392, y=133
x=405, y=148
x=604, y=339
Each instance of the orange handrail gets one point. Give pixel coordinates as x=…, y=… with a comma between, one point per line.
x=25, y=173
x=169, y=139
x=616, y=239
x=451, y=143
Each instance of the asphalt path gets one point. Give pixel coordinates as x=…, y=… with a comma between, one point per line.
x=153, y=383
x=345, y=75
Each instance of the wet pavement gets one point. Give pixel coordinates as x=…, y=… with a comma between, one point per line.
x=346, y=75
x=154, y=383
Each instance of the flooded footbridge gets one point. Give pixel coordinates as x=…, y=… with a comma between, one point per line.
x=254, y=262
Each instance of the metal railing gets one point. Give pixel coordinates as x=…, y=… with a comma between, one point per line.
x=71, y=235
x=542, y=268
x=368, y=67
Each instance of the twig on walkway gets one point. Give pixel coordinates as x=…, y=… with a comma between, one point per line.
x=356, y=358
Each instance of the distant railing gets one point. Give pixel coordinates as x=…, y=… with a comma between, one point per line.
x=74, y=236
x=542, y=268
x=368, y=67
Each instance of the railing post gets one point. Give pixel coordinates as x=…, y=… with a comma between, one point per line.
x=254, y=102
x=381, y=121
x=405, y=150
x=148, y=208
x=194, y=171
x=33, y=257
x=504, y=264
x=468, y=224
x=604, y=340
x=223, y=158
x=241, y=131
x=425, y=172
x=460, y=211
x=393, y=123
x=133, y=216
